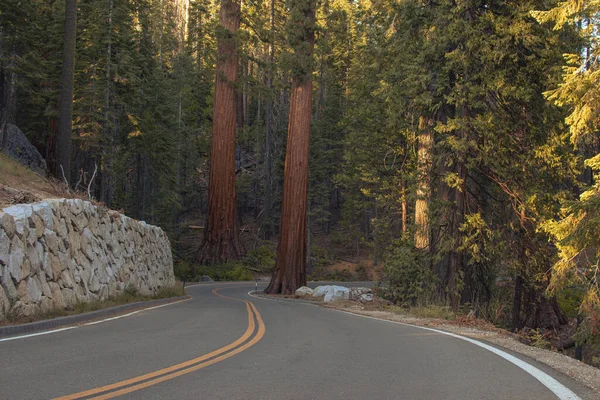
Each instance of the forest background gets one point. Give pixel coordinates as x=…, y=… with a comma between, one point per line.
x=454, y=145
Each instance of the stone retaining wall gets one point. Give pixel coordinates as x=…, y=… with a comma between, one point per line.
x=59, y=252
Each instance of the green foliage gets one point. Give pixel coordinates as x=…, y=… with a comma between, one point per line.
x=539, y=339
x=361, y=273
x=576, y=231
x=570, y=299
x=182, y=270
x=409, y=278
x=233, y=271
x=260, y=259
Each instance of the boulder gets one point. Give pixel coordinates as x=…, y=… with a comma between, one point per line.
x=20, y=148
x=304, y=291
x=356, y=292
x=335, y=293
x=319, y=291
x=366, y=297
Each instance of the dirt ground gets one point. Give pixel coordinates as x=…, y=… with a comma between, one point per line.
x=20, y=185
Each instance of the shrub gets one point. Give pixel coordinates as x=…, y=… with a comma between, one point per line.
x=239, y=273
x=182, y=270
x=260, y=259
x=408, y=276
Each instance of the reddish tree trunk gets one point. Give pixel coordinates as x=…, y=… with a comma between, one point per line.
x=290, y=267
x=221, y=234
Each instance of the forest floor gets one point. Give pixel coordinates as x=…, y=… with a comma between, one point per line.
x=481, y=330
x=20, y=185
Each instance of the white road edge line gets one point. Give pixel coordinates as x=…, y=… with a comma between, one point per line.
x=560, y=390
x=129, y=314
x=87, y=324
x=37, y=334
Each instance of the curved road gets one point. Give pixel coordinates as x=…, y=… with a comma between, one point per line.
x=228, y=345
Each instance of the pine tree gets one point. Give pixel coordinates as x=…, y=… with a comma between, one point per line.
x=65, y=116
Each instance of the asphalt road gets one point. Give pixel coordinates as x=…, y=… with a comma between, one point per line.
x=240, y=347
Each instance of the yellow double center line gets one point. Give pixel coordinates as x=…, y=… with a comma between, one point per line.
x=165, y=374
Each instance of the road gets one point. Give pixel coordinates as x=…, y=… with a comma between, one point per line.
x=224, y=344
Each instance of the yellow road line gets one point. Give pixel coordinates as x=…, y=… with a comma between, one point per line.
x=250, y=309
x=255, y=339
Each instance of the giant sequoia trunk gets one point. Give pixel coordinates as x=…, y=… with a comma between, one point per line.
x=290, y=266
x=424, y=164
x=221, y=234
x=65, y=105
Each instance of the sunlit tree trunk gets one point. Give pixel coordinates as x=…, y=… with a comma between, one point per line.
x=221, y=234
x=290, y=266
x=65, y=106
x=424, y=164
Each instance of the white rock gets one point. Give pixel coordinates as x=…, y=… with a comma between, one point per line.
x=16, y=258
x=366, y=297
x=304, y=291
x=7, y=222
x=335, y=293
x=4, y=247
x=57, y=296
x=34, y=289
x=44, y=286
x=75, y=206
x=356, y=292
x=20, y=214
x=51, y=241
x=9, y=286
x=44, y=211
x=33, y=255
x=319, y=291
x=36, y=224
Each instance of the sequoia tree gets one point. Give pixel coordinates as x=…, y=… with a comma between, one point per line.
x=290, y=265
x=221, y=234
x=65, y=116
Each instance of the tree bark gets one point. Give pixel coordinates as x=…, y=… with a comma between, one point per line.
x=424, y=164
x=404, y=207
x=221, y=234
x=290, y=266
x=65, y=105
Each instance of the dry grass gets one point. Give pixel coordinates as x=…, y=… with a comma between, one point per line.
x=19, y=185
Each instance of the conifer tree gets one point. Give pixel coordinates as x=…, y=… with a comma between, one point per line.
x=221, y=235
x=65, y=115
x=290, y=265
